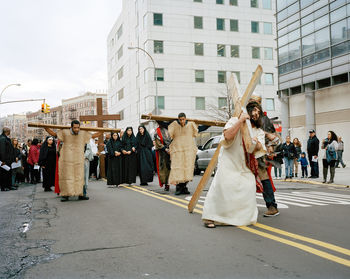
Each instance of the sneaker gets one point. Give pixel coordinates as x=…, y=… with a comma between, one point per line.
x=83, y=198
x=271, y=212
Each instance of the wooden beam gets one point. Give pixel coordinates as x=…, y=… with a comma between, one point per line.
x=99, y=117
x=234, y=90
x=91, y=129
x=197, y=121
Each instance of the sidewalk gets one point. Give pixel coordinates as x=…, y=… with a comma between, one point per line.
x=341, y=179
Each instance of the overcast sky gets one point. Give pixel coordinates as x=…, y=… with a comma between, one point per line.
x=55, y=48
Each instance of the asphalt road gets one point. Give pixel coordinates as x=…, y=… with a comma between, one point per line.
x=144, y=232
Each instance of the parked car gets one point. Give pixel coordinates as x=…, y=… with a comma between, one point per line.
x=205, y=153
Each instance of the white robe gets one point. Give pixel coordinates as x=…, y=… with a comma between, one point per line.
x=232, y=195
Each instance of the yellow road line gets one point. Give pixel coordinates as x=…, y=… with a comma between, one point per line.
x=167, y=197
x=300, y=246
x=306, y=239
x=160, y=198
x=303, y=247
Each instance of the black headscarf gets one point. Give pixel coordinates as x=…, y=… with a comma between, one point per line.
x=44, y=149
x=145, y=139
x=129, y=142
x=114, y=145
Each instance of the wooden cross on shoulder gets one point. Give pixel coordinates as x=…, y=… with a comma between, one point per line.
x=240, y=104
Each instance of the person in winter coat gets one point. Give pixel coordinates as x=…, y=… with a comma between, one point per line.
x=313, y=145
x=330, y=144
x=17, y=155
x=297, y=146
x=6, y=159
x=47, y=161
x=289, y=153
x=33, y=161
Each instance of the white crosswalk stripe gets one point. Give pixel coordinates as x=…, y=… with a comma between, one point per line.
x=300, y=199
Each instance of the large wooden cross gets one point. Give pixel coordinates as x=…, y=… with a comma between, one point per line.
x=100, y=117
x=240, y=105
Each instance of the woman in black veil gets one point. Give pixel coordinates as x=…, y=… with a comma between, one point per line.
x=144, y=155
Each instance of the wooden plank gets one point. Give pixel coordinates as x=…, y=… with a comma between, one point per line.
x=233, y=86
x=99, y=117
x=92, y=129
x=197, y=121
x=204, y=180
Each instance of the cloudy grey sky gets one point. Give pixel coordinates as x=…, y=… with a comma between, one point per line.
x=55, y=48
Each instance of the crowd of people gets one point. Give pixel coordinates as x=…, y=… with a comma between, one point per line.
x=68, y=159
x=292, y=156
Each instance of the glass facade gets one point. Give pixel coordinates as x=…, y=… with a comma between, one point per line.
x=310, y=32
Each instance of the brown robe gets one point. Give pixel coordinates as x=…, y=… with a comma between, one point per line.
x=71, y=162
x=183, y=151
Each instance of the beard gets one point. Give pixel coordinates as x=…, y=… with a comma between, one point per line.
x=256, y=123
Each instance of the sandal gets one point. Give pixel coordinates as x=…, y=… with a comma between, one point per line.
x=210, y=225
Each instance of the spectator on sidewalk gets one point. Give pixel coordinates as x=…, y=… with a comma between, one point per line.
x=304, y=163
x=297, y=146
x=17, y=155
x=340, y=153
x=289, y=153
x=33, y=159
x=313, y=145
x=330, y=144
x=6, y=159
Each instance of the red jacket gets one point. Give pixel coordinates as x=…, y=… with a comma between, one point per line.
x=33, y=156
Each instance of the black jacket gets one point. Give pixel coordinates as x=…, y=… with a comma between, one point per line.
x=313, y=145
x=6, y=150
x=289, y=151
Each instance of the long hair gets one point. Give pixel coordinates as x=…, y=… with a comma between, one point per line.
x=333, y=136
x=298, y=144
x=13, y=144
x=250, y=107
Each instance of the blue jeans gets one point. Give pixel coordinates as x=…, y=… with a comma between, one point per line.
x=268, y=194
x=288, y=163
x=279, y=171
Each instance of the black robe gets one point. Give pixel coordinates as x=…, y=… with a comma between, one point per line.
x=115, y=163
x=144, y=156
x=129, y=160
x=47, y=160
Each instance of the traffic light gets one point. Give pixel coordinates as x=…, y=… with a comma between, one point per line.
x=43, y=108
x=47, y=108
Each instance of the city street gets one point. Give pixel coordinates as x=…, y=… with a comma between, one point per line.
x=144, y=232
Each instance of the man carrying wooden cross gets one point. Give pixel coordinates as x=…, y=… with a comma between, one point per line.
x=231, y=199
x=71, y=161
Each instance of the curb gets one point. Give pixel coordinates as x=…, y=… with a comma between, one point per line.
x=315, y=183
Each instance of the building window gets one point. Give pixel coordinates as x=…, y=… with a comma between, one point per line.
x=120, y=94
x=222, y=102
x=220, y=24
x=254, y=3
x=199, y=75
x=120, y=52
x=120, y=73
x=268, y=78
x=159, y=74
x=234, y=25
x=238, y=75
x=268, y=28
x=235, y=51
x=198, y=49
x=199, y=1
x=266, y=4
x=158, y=19
x=161, y=102
x=121, y=113
x=220, y=2
x=256, y=52
x=270, y=104
x=255, y=27
x=234, y=2
x=338, y=32
x=221, y=50
x=158, y=46
x=198, y=22
x=120, y=31
x=268, y=53
x=200, y=103
x=221, y=77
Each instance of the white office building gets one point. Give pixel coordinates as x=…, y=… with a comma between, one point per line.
x=195, y=45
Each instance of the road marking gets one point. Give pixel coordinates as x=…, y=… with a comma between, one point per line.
x=300, y=246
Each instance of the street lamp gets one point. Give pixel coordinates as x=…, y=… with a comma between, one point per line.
x=7, y=86
x=155, y=72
